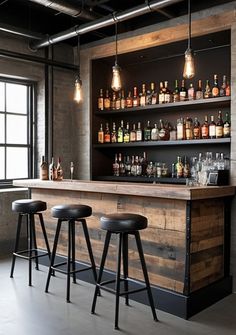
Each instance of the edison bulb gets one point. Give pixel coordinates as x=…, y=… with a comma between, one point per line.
x=116, y=80
x=78, y=90
x=189, y=67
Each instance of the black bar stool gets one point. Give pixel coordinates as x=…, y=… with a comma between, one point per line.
x=123, y=224
x=71, y=214
x=29, y=208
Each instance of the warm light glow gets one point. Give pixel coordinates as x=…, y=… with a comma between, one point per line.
x=189, y=67
x=116, y=80
x=78, y=90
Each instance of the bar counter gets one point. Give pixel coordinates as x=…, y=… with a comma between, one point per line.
x=186, y=244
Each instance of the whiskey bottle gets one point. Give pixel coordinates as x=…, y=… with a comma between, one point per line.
x=135, y=98
x=139, y=133
x=52, y=170
x=118, y=101
x=223, y=87
x=121, y=165
x=115, y=167
x=227, y=89
x=107, y=134
x=212, y=128
x=147, y=132
x=153, y=94
x=199, y=91
x=113, y=101
x=148, y=97
x=59, y=170
x=120, y=132
x=161, y=96
x=101, y=100
x=167, y=93
x=43, y=172
x=164, y=133
x=127, y=166
x=191, y=92
x=183, y=95
x=180, y=129
x=186, y=168
x=101, y=134
x=227, y=126
x=219, y=126
x=127, y=134
x=143, y=96
x=179, y=167
x=123, y=100
x=133, y=133
x=113, y=133
x=176, y=92
x=205, y=128
x=155, y=133
x=129, y=100
x=196, y=129
x=144, y=164
x=215, y=92
x=107, y=101
x=207, y=92
x=189, y=128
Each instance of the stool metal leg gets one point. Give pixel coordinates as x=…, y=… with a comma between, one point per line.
x=119, y=247
x=29, y=221
x=103, y=259
x=34, y=241
x=16, y=244
x=89, y=247
x=125, y=266
x=145, y=274
x=53, y=255
x=73, y=249
x=44, y=234
x=68, y=260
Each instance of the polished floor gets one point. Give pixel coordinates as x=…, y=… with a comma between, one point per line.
x=28, y=310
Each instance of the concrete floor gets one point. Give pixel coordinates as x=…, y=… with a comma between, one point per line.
x=28, y=310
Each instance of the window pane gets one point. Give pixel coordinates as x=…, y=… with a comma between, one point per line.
x=2, y=129
x=16, y=98
x=2, y=98
x=17, y=163
x=2, y=160
x=16, y=129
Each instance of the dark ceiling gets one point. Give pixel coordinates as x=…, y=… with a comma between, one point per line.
x=50, y=17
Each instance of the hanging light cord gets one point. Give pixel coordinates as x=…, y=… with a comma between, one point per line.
x=78, y=56
x=189, y=24
x=116, y=43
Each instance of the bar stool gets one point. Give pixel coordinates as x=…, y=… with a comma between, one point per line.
x=70, y=214
x=29, y=208
x=123, y=224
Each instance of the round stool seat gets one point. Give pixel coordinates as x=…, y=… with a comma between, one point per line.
x=123, y=222
x=28, y=206
x=71, y=211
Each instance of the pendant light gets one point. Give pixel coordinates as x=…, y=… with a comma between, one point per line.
x=116, y=80
x=189, y=68
x=78, y=81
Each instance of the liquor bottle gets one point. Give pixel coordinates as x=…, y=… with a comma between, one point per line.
x=115, y=167
x=179, y=167
x=120, y=132
x=191, y=92
x=196, y=129
x=176, y=96
x=153, y=94
x=113, y=101
x=173, y=133
x=133, y=170
x=113, y=133
x=133, y=133
x=127, y=134
x=135, y=98
x=189, y=128
x=167, y=93
x=127, y=166
x=129, y=100
x=215, y=92
x=212, y=128
x=223, y=87
x=101, y=100
x=205, y=128
x=148, y=97
x=219, y=126
x=101, y=134
x=147, y=132
x=186, y=168
x=143, y=96
x=59, y=170
x=123, y=100
x=180, y=129
x=139, y=165
x=207, y=92
x=107, y=100
x=144, y=164
x=227, y=126
x=183, y=95
x=121, y=165
x=199, y=91
x=43, y=172
x=164, y=134
x=161, y=96
x=227, y=89
x=118, y=101
x=139, y=133
x=107, y=134
x=52, y=170
x=155, y=133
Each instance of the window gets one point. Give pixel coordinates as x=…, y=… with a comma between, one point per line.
x=15, y=130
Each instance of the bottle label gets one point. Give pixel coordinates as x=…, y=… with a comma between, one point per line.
x=215, y=91
x=100, y=103
x=212, y=131
x=226, y=130
x=219, y=131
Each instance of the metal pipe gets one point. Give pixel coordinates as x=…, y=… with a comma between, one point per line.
x=103, y=22
x=21, y=32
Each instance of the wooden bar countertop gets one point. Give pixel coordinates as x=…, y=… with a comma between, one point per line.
x=167, y=191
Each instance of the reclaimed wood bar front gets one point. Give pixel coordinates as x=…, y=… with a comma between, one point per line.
x=186, y=243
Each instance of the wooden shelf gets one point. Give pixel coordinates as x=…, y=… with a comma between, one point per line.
x=174, y=106
x=141, y=179
x=162, y=143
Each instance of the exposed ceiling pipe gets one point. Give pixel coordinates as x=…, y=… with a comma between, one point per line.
x=103, y=22
x=20, y=32
x=68, y=7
